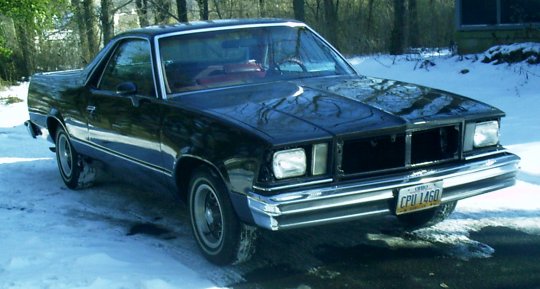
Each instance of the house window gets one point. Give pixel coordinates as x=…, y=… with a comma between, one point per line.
x=498, y=12
x=478, y=12
x=520, y=11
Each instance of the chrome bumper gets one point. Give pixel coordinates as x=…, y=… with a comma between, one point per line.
x=340, y=202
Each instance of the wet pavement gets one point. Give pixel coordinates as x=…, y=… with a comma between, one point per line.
x=511, y=260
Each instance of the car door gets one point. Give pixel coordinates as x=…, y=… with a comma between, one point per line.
x=124, y=112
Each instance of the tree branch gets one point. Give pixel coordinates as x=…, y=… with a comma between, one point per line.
x=166, y=11
x=113, y=11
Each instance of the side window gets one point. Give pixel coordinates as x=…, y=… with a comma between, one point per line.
x=130, y=63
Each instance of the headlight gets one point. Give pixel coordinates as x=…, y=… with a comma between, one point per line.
x=289, y=163
x=486, y=134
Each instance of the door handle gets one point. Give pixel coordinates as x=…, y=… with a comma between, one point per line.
x=91, y=109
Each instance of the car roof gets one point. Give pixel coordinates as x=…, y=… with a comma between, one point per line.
x=152, y=31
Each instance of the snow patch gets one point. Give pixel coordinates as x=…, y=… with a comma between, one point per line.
x=528, y=52
x=157, y=284
x=14, y=114
x=456, y=243
x=98, y=259
x=9, y=160
x=399, y=241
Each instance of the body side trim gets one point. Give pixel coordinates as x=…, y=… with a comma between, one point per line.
x=124, y=157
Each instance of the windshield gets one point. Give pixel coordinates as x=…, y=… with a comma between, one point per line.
x=250, y=55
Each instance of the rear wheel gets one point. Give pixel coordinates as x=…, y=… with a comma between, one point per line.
x=427, y=218
x=222, y=238
x=74, y=170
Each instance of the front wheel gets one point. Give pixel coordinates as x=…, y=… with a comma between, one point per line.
x=427, y=218
x=222, y=238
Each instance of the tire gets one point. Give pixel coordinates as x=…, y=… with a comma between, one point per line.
x=74, y=170
x=222, y=238
x=427, y=218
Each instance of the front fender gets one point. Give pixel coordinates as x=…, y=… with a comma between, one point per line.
x=230, y=175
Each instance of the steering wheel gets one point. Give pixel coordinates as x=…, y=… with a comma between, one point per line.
x=294, y=61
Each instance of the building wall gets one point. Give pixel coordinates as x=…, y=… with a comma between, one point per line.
x=475, y=41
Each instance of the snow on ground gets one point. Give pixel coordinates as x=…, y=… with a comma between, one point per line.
x=52, y=237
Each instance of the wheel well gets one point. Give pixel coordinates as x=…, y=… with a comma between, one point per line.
x=52, y=127
x=184, y=170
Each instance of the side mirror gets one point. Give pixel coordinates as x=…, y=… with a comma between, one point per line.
x=126, y=88
x=129, y=89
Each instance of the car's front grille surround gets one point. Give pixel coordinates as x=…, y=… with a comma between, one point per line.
x=414, y=147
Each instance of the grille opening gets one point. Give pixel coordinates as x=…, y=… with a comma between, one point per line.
x=372, y=154
x=435, y=144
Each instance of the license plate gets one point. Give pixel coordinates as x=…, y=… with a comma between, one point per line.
x=419, y=197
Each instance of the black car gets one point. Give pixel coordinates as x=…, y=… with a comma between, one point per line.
x=262, y=123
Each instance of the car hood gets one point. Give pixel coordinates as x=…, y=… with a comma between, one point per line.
x=290, y=111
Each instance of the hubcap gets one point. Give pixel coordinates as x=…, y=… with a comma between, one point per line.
x=208, y=216
x=65, y=156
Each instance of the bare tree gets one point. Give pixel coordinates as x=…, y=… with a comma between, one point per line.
x=25, y=36
x=397, y=42
x=369, y=25
x=299, y=11
x=91, y=29
x=218, y=10
x=203, y=9
x=107, y=24
x=81, y=27
x=262, y=10
x=142, y=12
x=413, y=24
x=162, y=11
x=331, y=20
x=181, y=9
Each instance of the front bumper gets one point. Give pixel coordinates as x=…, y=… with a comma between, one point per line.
x=341, y=202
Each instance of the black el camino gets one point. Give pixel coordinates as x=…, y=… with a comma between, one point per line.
x=263, y=124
